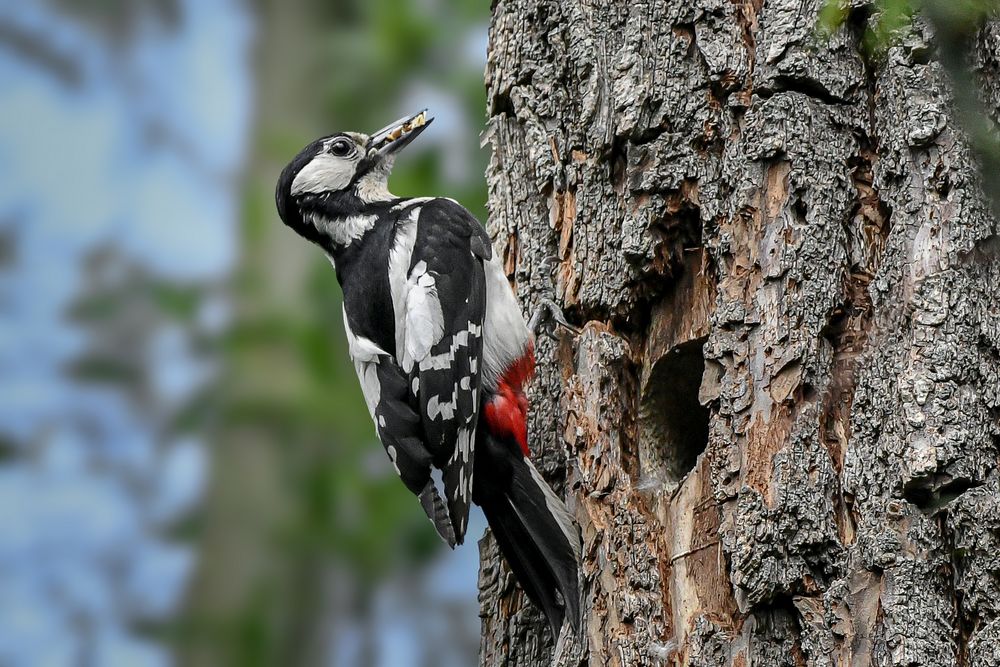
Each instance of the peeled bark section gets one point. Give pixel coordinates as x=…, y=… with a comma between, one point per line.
x=779, y=426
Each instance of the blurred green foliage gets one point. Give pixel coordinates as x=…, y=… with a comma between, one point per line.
x=887, y=18
x=885, y=21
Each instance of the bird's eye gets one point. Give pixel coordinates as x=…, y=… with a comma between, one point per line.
x=341, y=148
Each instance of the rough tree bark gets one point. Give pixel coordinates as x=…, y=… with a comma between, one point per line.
x=779, y=427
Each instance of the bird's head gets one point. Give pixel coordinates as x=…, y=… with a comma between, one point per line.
x=339, y=175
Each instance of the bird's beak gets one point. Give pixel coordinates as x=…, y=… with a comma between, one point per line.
x=394, y=136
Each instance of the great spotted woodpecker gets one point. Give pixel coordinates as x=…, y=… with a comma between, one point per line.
x=441, y=350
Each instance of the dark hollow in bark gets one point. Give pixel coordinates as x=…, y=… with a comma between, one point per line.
x=673, y=424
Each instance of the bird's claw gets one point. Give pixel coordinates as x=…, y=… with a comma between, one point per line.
x=546, y=317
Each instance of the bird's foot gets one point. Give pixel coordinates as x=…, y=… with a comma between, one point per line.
x=547, y=316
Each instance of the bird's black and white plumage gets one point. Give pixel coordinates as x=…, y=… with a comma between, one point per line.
x=441, y=350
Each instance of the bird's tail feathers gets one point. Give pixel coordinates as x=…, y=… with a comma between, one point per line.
x=537, y=536
x=437, y=512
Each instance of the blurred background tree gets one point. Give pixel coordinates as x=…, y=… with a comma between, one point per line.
x=189, y=473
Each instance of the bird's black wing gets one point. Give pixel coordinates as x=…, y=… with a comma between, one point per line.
x=423, y=393
x=386, y=388
x=446, y=306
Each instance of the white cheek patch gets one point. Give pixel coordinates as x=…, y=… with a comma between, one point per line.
x=325, y=173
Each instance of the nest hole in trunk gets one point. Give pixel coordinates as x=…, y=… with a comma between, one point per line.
x=673, y=424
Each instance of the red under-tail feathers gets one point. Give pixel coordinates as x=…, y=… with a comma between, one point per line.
x=507, y=412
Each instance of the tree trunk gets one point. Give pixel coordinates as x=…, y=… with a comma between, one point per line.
x=779, y=427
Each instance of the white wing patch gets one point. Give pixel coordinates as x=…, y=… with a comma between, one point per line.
x=365, y=354
x=415, y=301
x=399, y=265
x=424, y=319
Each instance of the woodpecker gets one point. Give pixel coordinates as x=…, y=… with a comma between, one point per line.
x=441, y=349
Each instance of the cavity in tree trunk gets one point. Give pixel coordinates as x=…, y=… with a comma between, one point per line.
x=779, y=427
